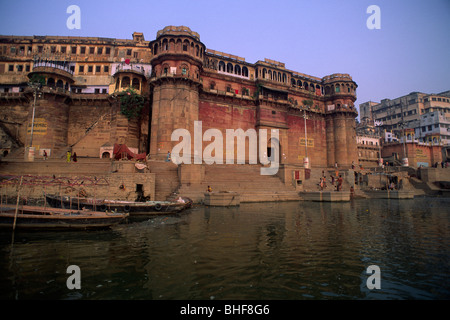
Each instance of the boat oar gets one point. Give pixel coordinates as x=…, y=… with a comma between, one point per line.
x=17, y=203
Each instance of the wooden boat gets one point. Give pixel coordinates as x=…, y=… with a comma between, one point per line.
x=132, y=207
x=35, y=217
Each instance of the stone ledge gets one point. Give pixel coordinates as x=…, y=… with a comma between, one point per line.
x=222, y=199
x=326, y=196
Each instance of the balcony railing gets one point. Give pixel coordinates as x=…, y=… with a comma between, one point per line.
x=61, y=65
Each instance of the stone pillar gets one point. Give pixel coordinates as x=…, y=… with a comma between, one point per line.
x=329, y=123
x=352, y=149
x=175, y=106
x=340, y=140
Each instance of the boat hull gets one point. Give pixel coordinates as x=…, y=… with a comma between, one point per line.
x=29, y=217
x=133, y=208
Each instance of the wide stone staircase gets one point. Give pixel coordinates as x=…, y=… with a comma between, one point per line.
x=167, y=181
x=243, y=179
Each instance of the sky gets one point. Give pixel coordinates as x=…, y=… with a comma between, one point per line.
x=409, y=52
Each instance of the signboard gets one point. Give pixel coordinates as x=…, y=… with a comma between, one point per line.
x=40, y=127
x=310, y=142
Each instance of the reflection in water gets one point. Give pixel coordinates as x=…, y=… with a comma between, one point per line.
x=292, y=250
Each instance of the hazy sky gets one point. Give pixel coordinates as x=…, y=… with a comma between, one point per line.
x=410, y=52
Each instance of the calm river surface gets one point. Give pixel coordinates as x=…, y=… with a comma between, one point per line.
x=263, y=251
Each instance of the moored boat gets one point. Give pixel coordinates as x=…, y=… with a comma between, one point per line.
x=35, y=217
x=132, y=207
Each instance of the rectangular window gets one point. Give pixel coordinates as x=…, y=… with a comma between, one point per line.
x=27, y=68
x=104, y=91
x=81, y=69
x=98, y=69
x=96, y=90
x=108, y=50
x=82, y=50
x=19, y=68
x=63, y=49
x=53, y=49
x=74, y=50
x=128, y=52
x=99, y=50
x=40, y=49
x=135, y=55
x=90, y=68
x=91, y=50
x=11, y=68
x=106, y=69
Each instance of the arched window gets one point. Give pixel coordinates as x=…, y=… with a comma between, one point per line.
x=270, y=75
x=125, y=82
x=117, y=83
x=155, y=49
x=264, y=73
x=165, y=45
x=299, y=83
x=245, y=71
x=59, y=84
x=51, y=82
x=229, y=68
x=171, y=45
x=279, y=77
x=221, y=66
x=136, y=84
x=185, y=45
x=284, y=78
x=196, y=50
x=338, y=88
x=305, y=84
x=237, y=69
x=292, y=82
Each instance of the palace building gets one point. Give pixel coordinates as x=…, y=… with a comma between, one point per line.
x=79, y=105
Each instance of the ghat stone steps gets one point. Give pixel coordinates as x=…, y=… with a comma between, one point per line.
x=167, y=181
x=243, y=179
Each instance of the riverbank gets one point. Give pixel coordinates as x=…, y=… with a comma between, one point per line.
x=160, y=180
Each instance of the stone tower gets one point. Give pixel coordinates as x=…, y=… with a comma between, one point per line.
x=51, y=111
x=340, y=91
x=177, y=60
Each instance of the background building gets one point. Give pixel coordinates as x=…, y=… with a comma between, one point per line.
x=415, y=126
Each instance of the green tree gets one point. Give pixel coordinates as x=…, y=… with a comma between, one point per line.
x=131, y=103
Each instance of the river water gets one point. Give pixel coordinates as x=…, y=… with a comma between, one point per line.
x=262, y=251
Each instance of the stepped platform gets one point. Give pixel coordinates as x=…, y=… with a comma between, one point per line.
x=84, y=166
x=326, y=196
x=245, y=180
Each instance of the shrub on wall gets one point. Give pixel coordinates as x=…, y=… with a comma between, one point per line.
x=131, y=103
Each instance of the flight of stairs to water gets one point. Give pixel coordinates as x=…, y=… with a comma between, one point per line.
x=243, y=179
x=167, y=181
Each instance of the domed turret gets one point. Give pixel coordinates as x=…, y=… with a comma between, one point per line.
x=177, y=62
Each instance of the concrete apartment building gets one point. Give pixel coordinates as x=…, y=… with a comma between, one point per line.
x=409, y=122
x=406, y=111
